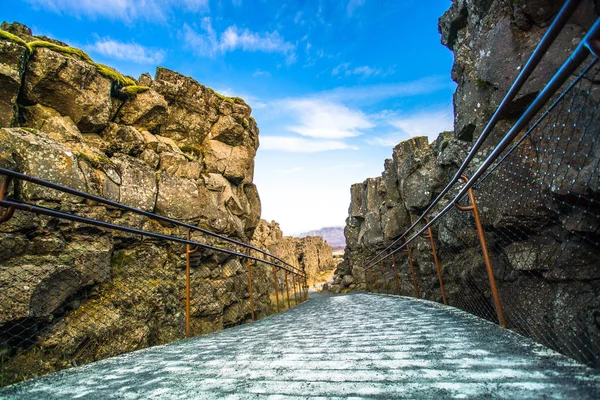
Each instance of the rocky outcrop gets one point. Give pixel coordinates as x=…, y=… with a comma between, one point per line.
x=333, y=235
x=71, y=293
x=491, y=41
x=532, y=218
x=310, y=254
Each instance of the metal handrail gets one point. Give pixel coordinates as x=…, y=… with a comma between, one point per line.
x=582, y=51
x=65, y=189
x=90, y=221
x=553, y=31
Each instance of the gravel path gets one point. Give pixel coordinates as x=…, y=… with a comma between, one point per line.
x=357, y=345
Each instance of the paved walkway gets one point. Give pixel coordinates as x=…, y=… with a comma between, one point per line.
x=358, y=345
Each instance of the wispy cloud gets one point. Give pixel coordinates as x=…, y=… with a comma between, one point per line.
x=126, y=51
x=301, y=145
x=365, y=71
x=259, y=72
x=325, y=119
x=125, y=10
x=365, y=94
x=208, y=43
x=353, y=5
x=422, y=123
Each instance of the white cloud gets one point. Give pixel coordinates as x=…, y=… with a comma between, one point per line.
x=424, y=123
x=353, y=5
x=126, y=51
x=259, y=72
x=325, y=119
x=204, y=45
x=301, y=145
x=365, y=71
x=125, y=10
x=209, y=43
x=340, y=68
x=374, y=93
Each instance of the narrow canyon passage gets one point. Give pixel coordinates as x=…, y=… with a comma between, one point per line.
x=365, y=345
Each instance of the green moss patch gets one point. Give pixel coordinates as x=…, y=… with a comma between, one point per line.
x=95, y=160
x=15, y=39
x=116, y=76
x=66, y=50
x=132, y=91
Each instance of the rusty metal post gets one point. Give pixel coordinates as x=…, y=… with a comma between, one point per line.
x=188, y=267
x=396, y=274
x=250, y=286
x=384, y=279
x=187, y=286
x=5, y=214
x=305, y=288
x=294, y=287
x=484, y=250
x=435, y=259
x=414, y=274
x=287, y=289
x=276, y=286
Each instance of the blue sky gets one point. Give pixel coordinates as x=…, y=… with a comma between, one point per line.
x=333, y=85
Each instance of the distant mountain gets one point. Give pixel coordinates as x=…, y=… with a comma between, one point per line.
x=334, y=235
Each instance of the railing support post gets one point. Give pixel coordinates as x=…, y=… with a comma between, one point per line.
x=287, y=289
x=435, y=259
x=250, y=286
x=305, y=288
x=5, y=213
x=276, y=286
x=414, y=274
x=294, y=287
x=396, y=274
x=484, y=250
x=187, y=287
x=188, y=267
x=384, y=279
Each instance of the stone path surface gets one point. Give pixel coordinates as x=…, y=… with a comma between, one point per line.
x=351, y=346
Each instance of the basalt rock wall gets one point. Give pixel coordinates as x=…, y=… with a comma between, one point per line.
x=72, y=293
x=311, y=253
x=556, y=302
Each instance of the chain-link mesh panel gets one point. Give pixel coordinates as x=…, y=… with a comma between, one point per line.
x=539, y=208
x=81, y=294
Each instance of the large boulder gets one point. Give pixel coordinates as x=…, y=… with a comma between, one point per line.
x=72, y=87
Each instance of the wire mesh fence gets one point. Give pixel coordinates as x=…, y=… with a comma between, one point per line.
x=73, y=293
x=534, y=265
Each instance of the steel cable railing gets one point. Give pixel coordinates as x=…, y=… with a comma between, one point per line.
x=122, y=308
x=524, y=258
x=551, y=34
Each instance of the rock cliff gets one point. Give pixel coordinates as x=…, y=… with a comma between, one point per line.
x=72, y=293
x=552, y=301
x=310, y=253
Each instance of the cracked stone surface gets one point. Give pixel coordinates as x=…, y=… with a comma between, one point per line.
x=357, y=345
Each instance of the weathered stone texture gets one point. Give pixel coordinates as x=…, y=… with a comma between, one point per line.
x=531, y=216
x=178, y=149
x=311, y=253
